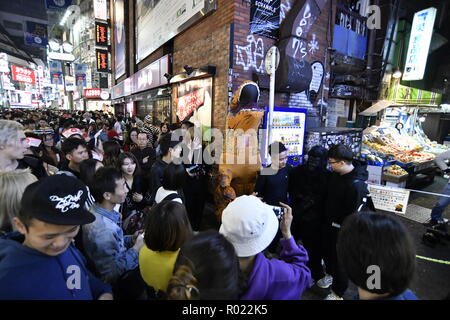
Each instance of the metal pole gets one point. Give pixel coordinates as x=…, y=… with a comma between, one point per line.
x=271, y=103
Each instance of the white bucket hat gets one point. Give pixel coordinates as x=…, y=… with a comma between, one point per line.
x=249, y=224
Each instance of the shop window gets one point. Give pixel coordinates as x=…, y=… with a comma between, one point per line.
x=160, y=109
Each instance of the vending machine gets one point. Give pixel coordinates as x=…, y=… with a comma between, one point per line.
x=288, y=127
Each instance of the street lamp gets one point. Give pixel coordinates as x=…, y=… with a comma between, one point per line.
x=67, y=47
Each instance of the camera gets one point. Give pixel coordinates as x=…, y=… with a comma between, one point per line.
x=279, y=211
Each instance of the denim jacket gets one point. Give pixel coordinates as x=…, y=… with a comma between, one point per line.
x=107, y=247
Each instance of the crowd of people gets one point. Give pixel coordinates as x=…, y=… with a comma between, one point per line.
x=94, y=206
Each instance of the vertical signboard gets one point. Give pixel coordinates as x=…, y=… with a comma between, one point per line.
x=80, y=74
x=119, y=38
x=265, y=18
x=101, y=34
x=419, y=44
x=55, y=72
x=102, y=60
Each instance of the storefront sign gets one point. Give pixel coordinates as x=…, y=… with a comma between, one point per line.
x=102, y=60
x=23, y=75
x=190, y=102
x=92, y=93
x=193, y=102
x=419, y=44
x=147, y=78
x=100, y=9
x=101, y=34
x=160, y=21
x=36, y=34
x=389, y=198
x=265, y=18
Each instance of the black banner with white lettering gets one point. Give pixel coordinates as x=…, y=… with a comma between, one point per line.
x=265, y=18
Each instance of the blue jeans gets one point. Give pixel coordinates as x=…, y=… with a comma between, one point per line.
x=439, y=207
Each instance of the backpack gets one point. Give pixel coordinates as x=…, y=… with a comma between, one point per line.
x=366, y=202
x=134, y=222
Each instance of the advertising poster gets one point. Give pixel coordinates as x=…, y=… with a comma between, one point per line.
x=36, y=34
x=23, y=75
x=80, y=74
x=159, y=21
x=119, y=38
x=194, y=103
x=56, y=72
x=389, y=198
x=265, y=18
x=101, y=9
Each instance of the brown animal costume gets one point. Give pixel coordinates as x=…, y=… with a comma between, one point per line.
x=241, y=159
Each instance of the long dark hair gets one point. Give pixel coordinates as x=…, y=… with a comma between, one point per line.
x=87, y=170
x=111, y=153
x=128, y=155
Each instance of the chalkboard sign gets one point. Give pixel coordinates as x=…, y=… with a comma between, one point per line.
x=265, y=18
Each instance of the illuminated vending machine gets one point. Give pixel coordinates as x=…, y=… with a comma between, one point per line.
x=289, y=128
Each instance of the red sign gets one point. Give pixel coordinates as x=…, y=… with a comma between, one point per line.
x=92, y=93
x=23, y=74
x=190, y=102
x=101, y=34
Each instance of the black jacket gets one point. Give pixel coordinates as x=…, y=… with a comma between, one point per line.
x=141, y=154
x=139, y=186
x=345, y=193
x=156, y=175
x=274, y=188
x=308, y=192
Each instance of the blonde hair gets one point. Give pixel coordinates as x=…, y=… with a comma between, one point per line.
x=8, y=131
x=12, y=186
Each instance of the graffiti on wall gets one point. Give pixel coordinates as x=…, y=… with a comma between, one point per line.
x=284, y=9
x=251, y=56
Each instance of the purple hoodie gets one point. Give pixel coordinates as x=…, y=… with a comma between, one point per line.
x=280, y=279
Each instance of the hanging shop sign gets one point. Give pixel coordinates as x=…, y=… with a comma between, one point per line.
x=80, y=74
x=55, y=72
x=419, y=44
x=23, y=75
x=36, y=34
x=160, y=21
x=265, y=18
x=100, y=9
x=399, y=94
x=70, y=83
x=102, y=60
x=101, y=34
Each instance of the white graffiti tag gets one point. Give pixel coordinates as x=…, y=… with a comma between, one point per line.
x=68, y=202
x=252, y=55
x=313, y=44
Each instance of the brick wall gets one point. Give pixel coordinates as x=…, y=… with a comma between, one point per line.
x=208, y=42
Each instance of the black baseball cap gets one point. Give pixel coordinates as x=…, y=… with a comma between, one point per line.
x=58, y=200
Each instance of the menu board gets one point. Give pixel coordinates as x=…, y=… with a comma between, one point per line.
x=389, y=198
